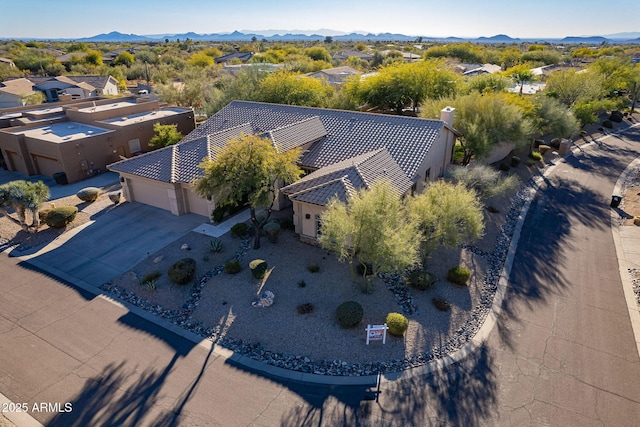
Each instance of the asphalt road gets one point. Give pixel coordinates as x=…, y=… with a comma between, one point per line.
x=562, y=353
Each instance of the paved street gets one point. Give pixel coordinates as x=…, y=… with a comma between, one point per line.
x=563, y=352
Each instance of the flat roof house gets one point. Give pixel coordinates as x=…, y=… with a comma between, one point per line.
x=342, y=151
x=81, y=138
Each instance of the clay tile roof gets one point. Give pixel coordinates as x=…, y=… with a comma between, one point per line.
x=297, y=134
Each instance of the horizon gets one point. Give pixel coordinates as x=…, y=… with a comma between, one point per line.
x=525, y=20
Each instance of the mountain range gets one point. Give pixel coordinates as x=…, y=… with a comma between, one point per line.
x=281, y=35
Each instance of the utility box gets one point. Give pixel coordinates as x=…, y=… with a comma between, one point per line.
x=564, y=148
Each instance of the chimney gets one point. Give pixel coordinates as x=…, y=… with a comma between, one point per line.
x=446, y=115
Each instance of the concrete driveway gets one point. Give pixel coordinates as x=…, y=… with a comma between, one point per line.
x=112, y=243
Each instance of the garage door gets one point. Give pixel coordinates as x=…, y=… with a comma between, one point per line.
x=46, y=165
x=150, y=194
x=196, y=204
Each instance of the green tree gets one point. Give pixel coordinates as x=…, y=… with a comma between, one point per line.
x=124, y=58
x=447, y=215
x=165, y=135
x=318, y=53
x=485, y=121
x=93, y=57
x=23, y=196
x=373, y=229
x=250, y=170
x=200, y=59
x=289, y=88
x=35, y=98
x=618, y=73
x=521, y=75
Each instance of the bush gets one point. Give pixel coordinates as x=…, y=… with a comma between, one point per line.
x=218, y=213
x=458, y=275
x=313, y=267
x=60, y=216
x=397, y=324
x=305, y=308
x=272, y=231
x=608, y=124
x=583, y=133
x=114, y=196
x=349, y=314
x=258, y=268
x=150, y=276
x=616, y=116
x=286, y=224
x=182, y=271
x=555, y=143
x=515, y=161
x=530, y=162
x=421, y=279
x=504, y=167
x=232, y=267
x=537, y=143
x=89, y=194
x=535, y=155
x=239, y=229
x=441, y=304
x=215, y=245
x=543, y=149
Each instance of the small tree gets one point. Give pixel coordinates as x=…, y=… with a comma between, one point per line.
x=373, y=226
x=249, y=170
x=447, y=214
x=23, y=196
x=165, y=135
x=521, y=74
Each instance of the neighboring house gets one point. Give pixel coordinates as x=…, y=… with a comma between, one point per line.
x=344, y=55
x=527, y=88
x=234, y=57
x=13, y=91
x=342, y=151
x=78, y=87
x=260, y=66
x=483, y=69
x=7, y=61
x=335, y=76
x=110, y=56
x=68, y=58
x=82, y=138
x=408, y=56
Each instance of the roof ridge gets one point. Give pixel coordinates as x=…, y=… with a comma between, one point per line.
x=174, y=163
x=322, y=184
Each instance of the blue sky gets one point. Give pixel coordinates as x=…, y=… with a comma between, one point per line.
x=461, y=18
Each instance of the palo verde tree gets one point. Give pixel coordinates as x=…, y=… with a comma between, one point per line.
x=250, y=170
x=446, y=214
x=372, y=228
x=165, y=135
x=23, y=196
x=485, y=121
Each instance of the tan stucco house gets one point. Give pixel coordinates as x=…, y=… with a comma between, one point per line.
x=342, y=151
x=81, y=138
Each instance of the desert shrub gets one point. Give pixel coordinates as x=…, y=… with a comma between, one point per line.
x=150, y=276
x=555, y=143
x=441, y=304
x=239, y=229
x=535, y=155
x=232, y=267
x=302, y=283
x=504, y=167
x=515, y=161
x=349, y=314
x=60, y=216
x=305, y=308
x=114, y=196
x=397, y=324
x=608, y=124
x=215, y=245
x=88, y=194
x=272, y=231
x=485, y=180
x=313, y=267
x=182, y=271
x=543, y=149
x=421, y=279
x=530, y=162
x=218, y=213
x=583, y=133
x=458, y=275
x=258, y=268
x=537, y=143
x=616, y=116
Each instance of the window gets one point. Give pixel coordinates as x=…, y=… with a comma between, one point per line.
x=427, y=175
x=318, y=226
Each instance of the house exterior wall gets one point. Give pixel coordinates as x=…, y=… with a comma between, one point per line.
x=8, y=100
x=306, y=227
x=148, y=191
x=437, y=161
x=196, y=204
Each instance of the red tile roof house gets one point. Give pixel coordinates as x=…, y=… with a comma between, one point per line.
x=343, y=151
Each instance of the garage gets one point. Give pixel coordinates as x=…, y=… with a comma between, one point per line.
x=46, y=165
x=196, y=204
x=149, y=192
